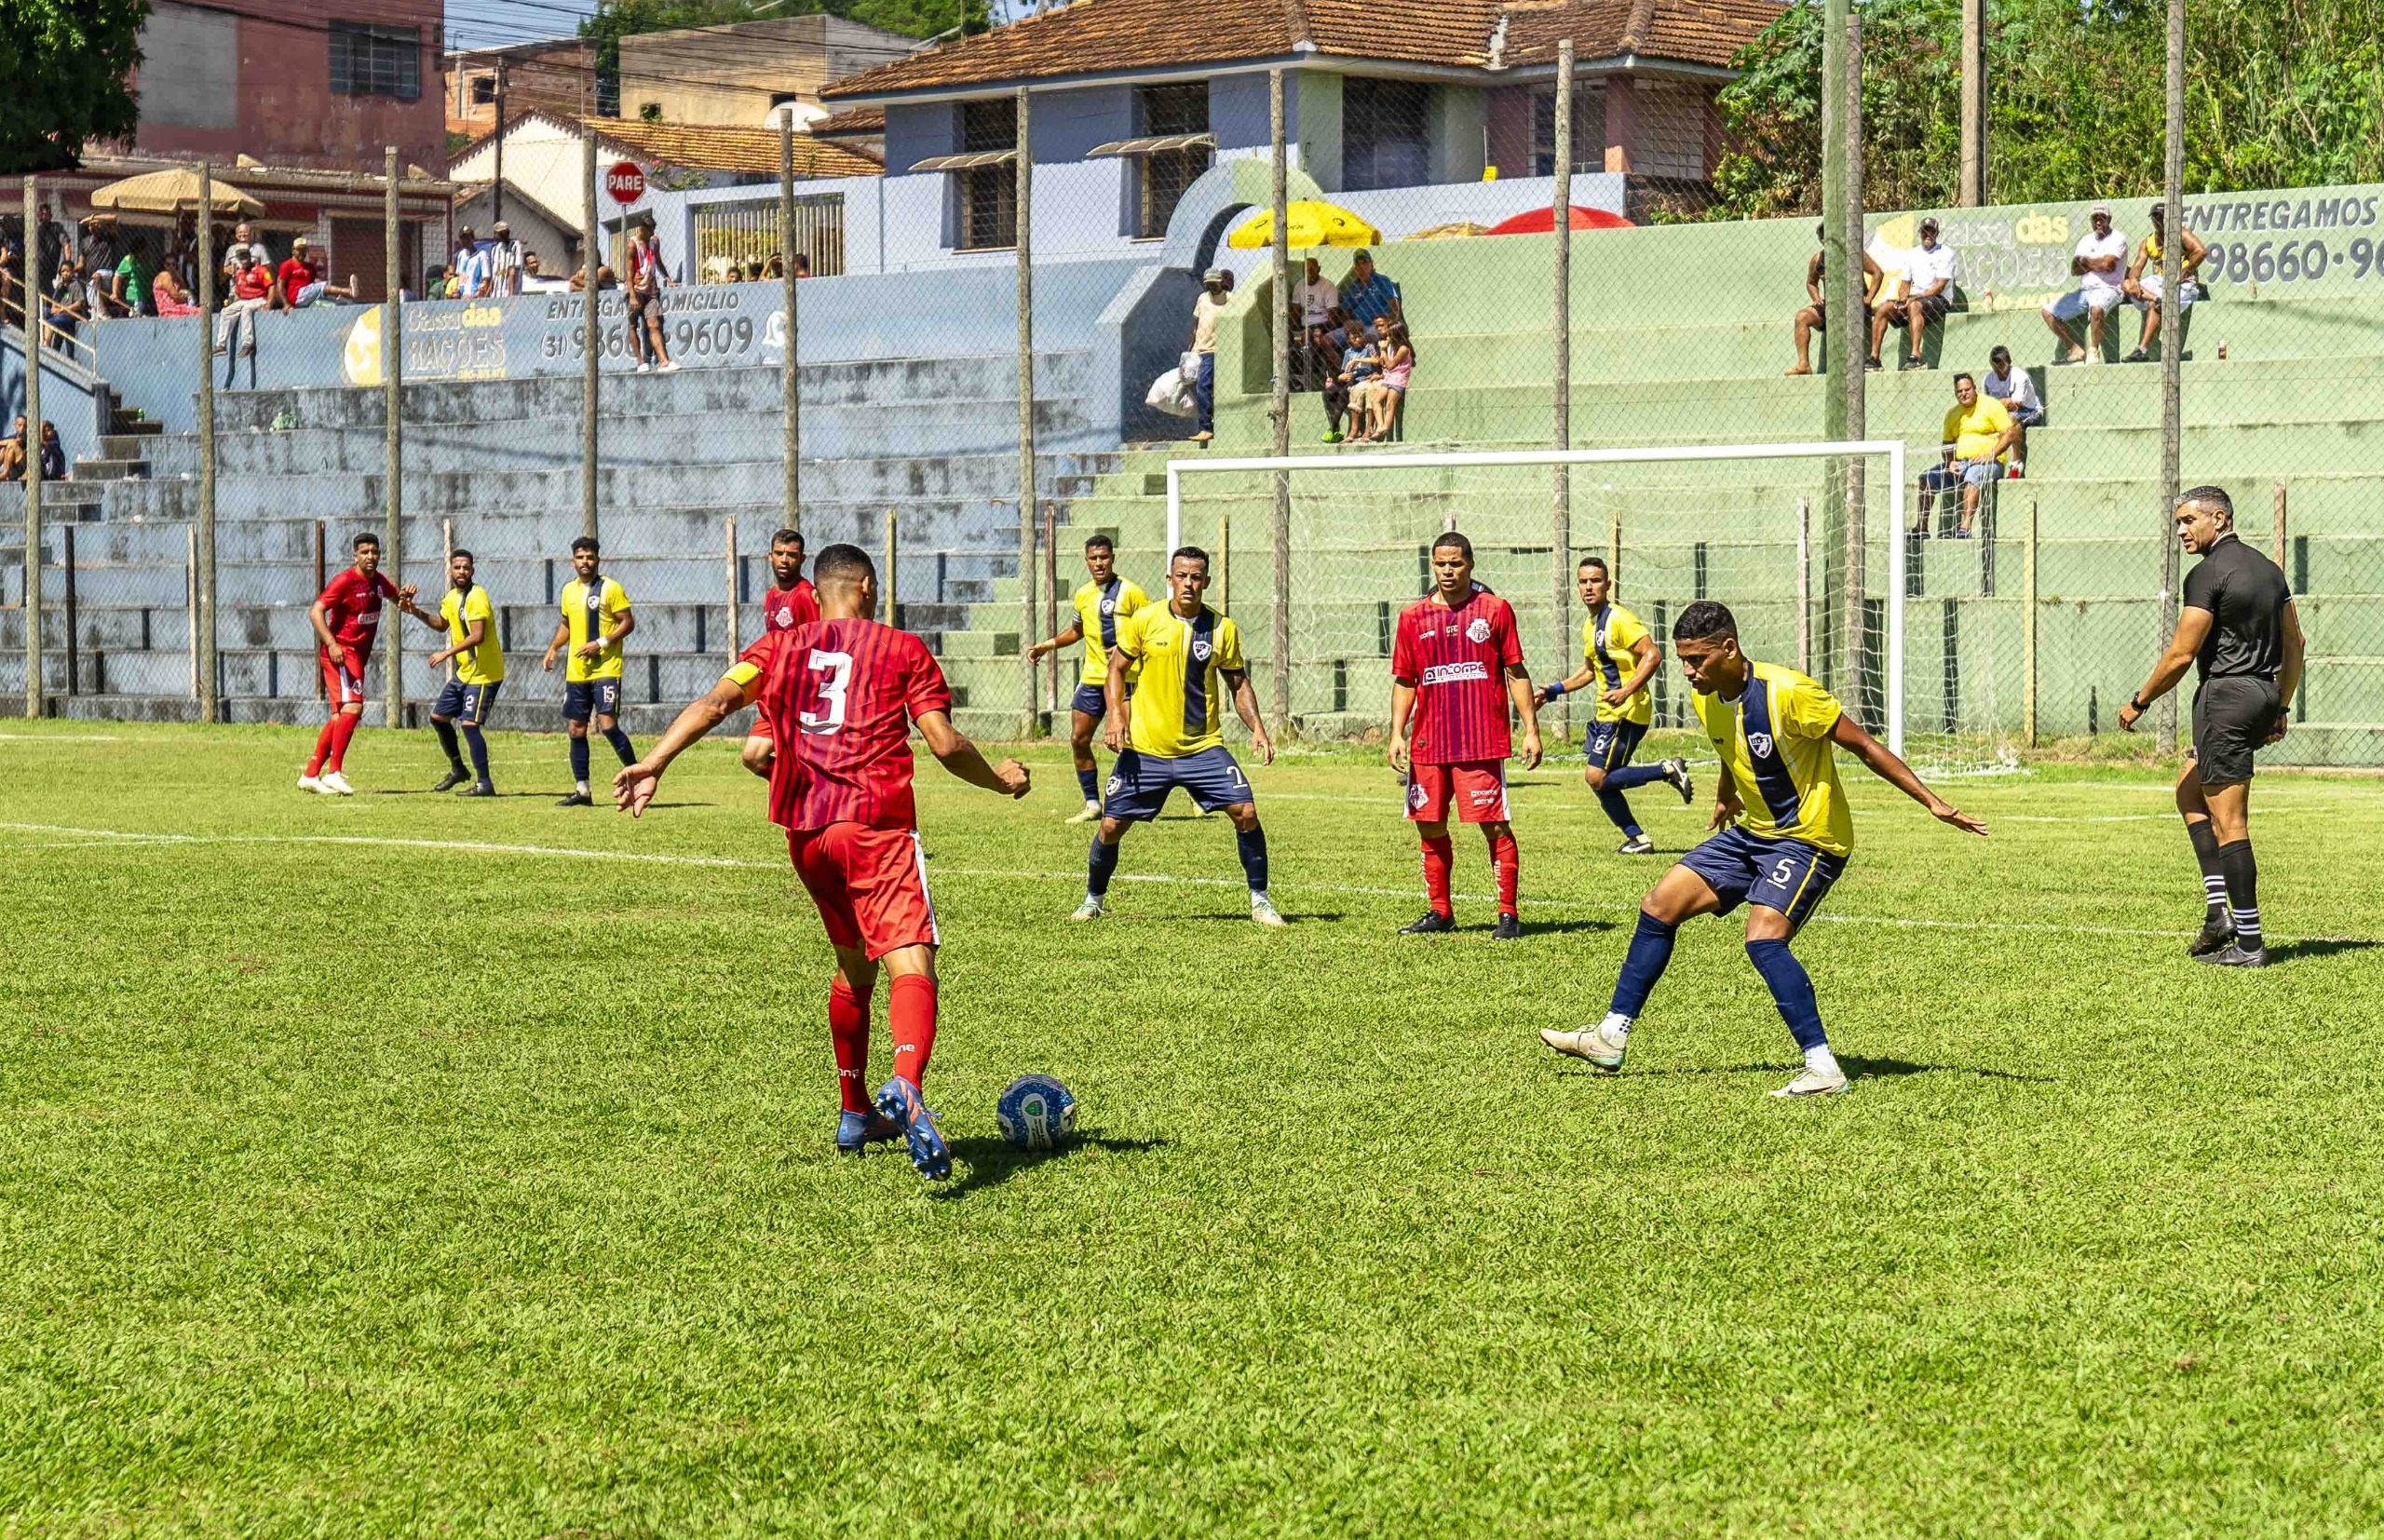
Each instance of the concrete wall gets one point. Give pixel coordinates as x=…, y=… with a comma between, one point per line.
x=68, y=400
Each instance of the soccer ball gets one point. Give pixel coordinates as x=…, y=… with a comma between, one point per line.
x=1036, y=1113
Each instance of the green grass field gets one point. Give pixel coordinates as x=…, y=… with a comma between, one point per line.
x=407, y=1166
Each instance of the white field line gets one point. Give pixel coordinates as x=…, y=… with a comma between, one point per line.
x=59, y=737
x=131, y=837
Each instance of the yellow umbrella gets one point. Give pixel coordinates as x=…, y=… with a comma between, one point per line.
x=1313, y=223
x=171, y=192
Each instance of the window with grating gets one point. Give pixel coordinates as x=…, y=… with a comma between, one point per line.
x=369, y=58
x=742, y=233
x=1589, y=127
x=1166, y=174
x=1386, y=133
x=988, y=194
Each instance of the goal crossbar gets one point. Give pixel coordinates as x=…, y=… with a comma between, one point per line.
x=1892, y=449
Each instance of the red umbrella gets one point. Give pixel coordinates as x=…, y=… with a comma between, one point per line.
x=1540, y=222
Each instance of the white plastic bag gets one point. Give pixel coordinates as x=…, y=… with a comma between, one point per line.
x=1171, y=393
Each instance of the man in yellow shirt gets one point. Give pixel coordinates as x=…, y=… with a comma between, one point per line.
x=1978, y=437
x=1784, y=836
x=1619, y=658
x=469, y=696
x=1186, y=651
x=595, y=620
x=1103, y=606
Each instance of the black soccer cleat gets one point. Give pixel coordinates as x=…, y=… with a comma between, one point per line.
x=456, y=776
x=1676, y=776
x=2236, y=954
x=480, y=789
x=1434, y=922
x=1511, y=928
x=577, y=799
x=2216, y=933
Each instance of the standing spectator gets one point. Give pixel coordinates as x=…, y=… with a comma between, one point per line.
x=646, y=280
x=1927, y=293
x=1205, y=311
x=2016, y=388
x=1368, y=295
x=505, y=263
x=12, y=271
x=132, y=285
x=1815, y=316
x=253, y=290
x=802, y=265
x=2096, y=264
x=1397, y=360
x=2145, y=281
x=244, y=245
x=469, y=266
x=67, y=310
x=1977, y=433
x=774, y=270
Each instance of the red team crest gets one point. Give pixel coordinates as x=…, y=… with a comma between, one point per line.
x=1458, y=659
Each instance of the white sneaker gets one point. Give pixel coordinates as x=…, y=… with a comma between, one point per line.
x=314, y=783
x=336, y=784
x=1814, y=1082
x=671, y=368
x=1589, y=1043
x=643, y=369
x=1089, y=910
x=1092, y=812
x=1262, y=912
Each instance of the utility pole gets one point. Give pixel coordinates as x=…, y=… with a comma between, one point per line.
x=1842, y=288
x=496, y=189
x=1974, y=87
x=31, y=290
x=2172, y=250
x=393, y=496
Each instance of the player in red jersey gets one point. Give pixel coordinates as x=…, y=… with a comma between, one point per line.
x=1456, y=666
x=840, y=785
x=792, y=601
x=346, y=618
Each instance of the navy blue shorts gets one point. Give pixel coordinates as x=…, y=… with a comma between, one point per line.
x=461, y=702
x=1785, y=874
x=1139, y=784
x=1094, y=703
x=591, y=697
x=1609, y=745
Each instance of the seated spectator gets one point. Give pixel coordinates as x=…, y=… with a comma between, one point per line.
x=1382, y=402
x=2096, y=264
x=53, y=453
x=1369, y=296
x=1928, y=294
x=12, y=454
x=1360, y=367
x=1978, y=433
x=802, y=265
x=170, y=297
x=2016, y=388
x=300, y=283
x=253, y=290
x=2145, y=281
x=1326, y=344
x=535, y=279
x=1815, y=316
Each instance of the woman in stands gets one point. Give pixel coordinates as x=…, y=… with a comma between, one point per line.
x=172, y=297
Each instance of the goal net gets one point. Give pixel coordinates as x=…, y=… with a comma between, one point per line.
x=1805, y=542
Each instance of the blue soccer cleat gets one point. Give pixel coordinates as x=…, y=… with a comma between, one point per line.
x=900, y=1102
x=857, y=1132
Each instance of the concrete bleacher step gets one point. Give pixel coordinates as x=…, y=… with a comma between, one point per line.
x=104, y=469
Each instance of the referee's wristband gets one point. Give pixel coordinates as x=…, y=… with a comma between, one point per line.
x=1556, y=689
x=2139, y=703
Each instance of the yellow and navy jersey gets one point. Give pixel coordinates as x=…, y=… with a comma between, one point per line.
x=485, y=662
x=1183, y=662
x=1607, y=639
x=1774, y=741
x=1101, y=609
x=590, y=609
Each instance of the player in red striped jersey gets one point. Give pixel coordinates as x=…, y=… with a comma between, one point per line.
x=792, y=601
x=849, y=690
x=346, y=618
x=1457, y=663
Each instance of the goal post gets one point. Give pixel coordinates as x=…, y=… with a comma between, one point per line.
x=1385, y=498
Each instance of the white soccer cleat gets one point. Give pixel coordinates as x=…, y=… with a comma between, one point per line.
x=1589, y=1043
x=1263, y=911
x=1092, y=812
x=1089, y=910
x=315, y=783
x=1814, y=1082
x=336, y=784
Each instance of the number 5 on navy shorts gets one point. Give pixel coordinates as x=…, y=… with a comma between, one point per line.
x=1138, y=783
x=1609, y=745
x=591, y=697
x=1788, y=875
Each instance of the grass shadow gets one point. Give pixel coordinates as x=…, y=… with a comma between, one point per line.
x=1566, y=927
x=2317, y=946
x=1856, y=1069
x=991, y=1162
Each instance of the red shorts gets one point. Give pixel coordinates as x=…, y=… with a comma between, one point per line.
x=871, y=885
x=343, y=677
x=1478, y=786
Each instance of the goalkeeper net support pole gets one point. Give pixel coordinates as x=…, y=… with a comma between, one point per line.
x=1890, y=450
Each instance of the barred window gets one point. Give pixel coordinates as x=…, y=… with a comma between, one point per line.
x=1589, y=127
x=369, y=58
x=988, y=194
x=1166, y=174
x=1386, y=133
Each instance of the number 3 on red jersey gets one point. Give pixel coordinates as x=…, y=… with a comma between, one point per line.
x=837, y=669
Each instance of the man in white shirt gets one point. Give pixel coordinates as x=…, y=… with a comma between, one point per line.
x=2016, y=388
x=470, y=265
x=2099, y=263
x=1927, y=293
x=1313, y=299
x=1205, y=308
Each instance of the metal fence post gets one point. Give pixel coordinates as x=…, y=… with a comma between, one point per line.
x=2172, y=248
x=731, y=543
x=1280, y=630
x=789, y=378
x=1561, y=375
x=1026, y=219
x=393, y=372
x=210, y=703
x=31, y=290
x=1857, y=559
x=2029, y=635
x=1051, y=596
x=894, y=573
x=1804, y=585
x=592, y=334
x=1845, y=345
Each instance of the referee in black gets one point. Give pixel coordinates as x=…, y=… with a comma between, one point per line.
x=2239, y=632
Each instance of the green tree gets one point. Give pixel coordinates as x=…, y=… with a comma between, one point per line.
x=63, y=67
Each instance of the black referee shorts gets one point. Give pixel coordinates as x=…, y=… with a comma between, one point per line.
x=2233, y=715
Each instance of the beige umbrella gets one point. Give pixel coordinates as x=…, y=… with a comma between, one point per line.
x=171, y=192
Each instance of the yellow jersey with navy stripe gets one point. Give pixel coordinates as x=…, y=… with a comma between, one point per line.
x=1774, y=743
x=1101, y=609
x=1607, y=639
x=485, y=662
x=1183, y=662
x=590, y=609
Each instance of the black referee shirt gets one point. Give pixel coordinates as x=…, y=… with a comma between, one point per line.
x=2246, y=594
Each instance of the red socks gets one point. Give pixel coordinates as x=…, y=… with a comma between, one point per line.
x=323, y=742
x=1439, y=855
x=848, y=1029
x=910, y=1011
x=343, y=727
x=1508, y=861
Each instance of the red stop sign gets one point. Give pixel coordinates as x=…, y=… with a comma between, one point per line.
x=626, y=183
